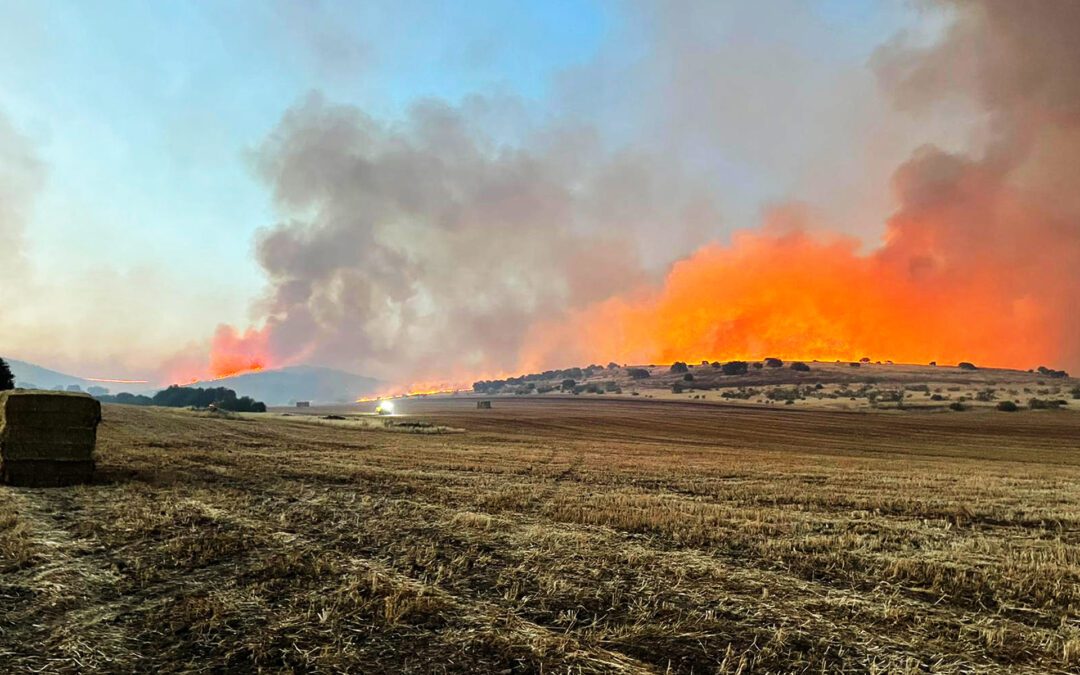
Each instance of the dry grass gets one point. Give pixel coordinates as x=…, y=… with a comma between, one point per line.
x=555, y=536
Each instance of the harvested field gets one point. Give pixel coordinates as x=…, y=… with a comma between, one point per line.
x=555, y=535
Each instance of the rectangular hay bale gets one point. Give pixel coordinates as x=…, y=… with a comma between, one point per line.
x=75, y=409
x=47, y=438
x=46, y=473
x=20, y=434
x=58, y=450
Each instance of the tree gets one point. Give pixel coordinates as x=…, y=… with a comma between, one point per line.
x=679, y=367
x=689, y=377
x=965, y=365
x=773, y=363
x=7, y=378
x=735, y=368
x=637, y=373
x=568, y=384
x=1007, y=406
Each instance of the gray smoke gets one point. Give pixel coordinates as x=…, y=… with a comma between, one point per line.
x=429, y=247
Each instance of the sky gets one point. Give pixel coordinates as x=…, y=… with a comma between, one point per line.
x=149, y=156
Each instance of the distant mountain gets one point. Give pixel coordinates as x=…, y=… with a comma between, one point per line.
x=28, y=375
x=284, y=386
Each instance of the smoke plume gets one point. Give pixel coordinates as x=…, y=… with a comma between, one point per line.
x=430, y=246
x=430, y=249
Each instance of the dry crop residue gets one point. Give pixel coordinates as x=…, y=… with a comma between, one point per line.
x=563, y=535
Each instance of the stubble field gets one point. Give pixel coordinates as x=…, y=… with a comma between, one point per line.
x=556, y=535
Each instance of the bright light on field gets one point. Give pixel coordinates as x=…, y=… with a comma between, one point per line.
x=385, y=407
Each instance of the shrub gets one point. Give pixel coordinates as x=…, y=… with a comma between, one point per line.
x=689, y=377
x=957, y=406
x=7, y=379
x=986, y=395
x=757, y=365
x=637, y=373
x=865, y=359
x=1052, y=373
x=937, y=397
x=569, y=384
x=1007, y=406
x=677, y=388
x=734, y=368
x=965, y=365
x=773, y=363
x=855, y=365
x=679, y=367
x=800, y=366
x=1046, y=404
x=782, y=394
x=1076, y=392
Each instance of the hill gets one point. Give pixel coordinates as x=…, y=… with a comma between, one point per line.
x=33, y=376
x=285, y=386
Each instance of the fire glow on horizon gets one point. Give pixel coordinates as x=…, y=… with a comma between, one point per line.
x=114, y=381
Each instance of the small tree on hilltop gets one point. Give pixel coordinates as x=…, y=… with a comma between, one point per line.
x=568, y=384
x=679, y=367
x=7, y=378
x=734, y=368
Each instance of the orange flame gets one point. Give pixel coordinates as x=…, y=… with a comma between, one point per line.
x=794, y=295
x=411, y=391
x=233, y=353
x=104, y=379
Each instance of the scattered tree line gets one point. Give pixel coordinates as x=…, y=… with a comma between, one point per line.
x=1051, y=373
x=509, y=384
x=191, y=397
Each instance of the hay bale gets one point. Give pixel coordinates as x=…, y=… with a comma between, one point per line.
x=46, y=473
x=22, y=404
x=47, y=438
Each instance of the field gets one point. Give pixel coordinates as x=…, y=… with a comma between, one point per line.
x=554, y=534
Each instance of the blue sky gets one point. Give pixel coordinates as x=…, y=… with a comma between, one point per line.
x=144, y=116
